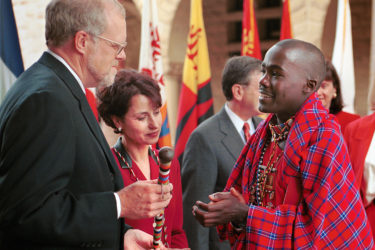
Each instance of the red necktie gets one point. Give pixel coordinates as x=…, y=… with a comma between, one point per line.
x=246, y=130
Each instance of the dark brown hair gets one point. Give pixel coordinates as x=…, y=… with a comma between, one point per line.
x=114, y=100
x=236, y=71
x=331, y=75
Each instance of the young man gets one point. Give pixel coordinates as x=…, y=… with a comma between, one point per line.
x=60, y=187
x=214, y=146
x=293, y=185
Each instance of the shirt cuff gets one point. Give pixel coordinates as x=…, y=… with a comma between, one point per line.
x=118, y=205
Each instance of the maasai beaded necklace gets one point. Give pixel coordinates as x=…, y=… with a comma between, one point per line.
x=280, y=132
x=262, y=178
x=277, y=136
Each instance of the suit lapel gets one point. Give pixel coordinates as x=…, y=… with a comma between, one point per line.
x=86, y=111
x=232, y=141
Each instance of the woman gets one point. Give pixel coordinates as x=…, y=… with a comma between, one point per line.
x=329, y=94
x=131, y=106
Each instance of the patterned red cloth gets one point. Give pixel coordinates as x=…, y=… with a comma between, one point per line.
x=330, y=215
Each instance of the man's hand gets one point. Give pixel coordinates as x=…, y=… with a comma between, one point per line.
x=144, y=199
x=135, y=239
x=223, y=208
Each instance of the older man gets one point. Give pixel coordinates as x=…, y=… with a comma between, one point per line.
x=59, y=184
x=293, y=185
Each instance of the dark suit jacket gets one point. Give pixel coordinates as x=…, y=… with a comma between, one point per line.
x=57, y=173
x=210, y=154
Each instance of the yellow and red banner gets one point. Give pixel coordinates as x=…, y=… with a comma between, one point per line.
x=250, y=37
x=286, y=26
x=195, y=103
x=150, y=62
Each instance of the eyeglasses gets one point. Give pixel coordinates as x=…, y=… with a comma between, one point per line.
x=118, y=46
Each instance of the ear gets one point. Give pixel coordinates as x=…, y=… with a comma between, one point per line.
x=237, y=91
x=116, y=121
x=310, y=86
x=81, y=41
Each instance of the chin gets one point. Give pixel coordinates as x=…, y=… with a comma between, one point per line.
x=152, y=142
x=106, y=81
x=112, y=74
x=262, y=109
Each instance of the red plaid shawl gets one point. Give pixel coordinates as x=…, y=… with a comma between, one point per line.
x=330, y=215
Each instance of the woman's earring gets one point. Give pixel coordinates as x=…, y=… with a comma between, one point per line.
x=334, y=95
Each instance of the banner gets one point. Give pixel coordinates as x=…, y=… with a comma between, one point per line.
x=195, y=103
x=250, y=45
x=150, y=62
x=342, y=57
x=286, y=25
x=11, y=65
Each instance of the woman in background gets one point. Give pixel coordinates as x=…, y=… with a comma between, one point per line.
x=131, y=106
x=329, y=94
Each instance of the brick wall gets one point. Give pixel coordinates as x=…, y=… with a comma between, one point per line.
x=30, y=22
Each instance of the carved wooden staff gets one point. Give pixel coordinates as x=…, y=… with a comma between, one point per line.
x=165, y=157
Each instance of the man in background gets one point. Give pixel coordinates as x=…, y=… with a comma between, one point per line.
x=214, y=146
x=60, y=187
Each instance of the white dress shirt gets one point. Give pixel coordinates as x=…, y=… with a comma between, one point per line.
x=238, y=122
x=69, y=68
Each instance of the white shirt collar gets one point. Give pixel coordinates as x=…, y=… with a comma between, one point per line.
x=238, y=122
x=69, y=68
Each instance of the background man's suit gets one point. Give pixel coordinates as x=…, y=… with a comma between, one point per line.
x=210, y=154
x=57, y=173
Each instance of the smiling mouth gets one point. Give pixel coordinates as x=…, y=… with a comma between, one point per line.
x=153, y=134
x=264, y=96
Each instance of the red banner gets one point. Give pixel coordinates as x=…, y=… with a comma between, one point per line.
x=286, y=26
x=250, y=37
